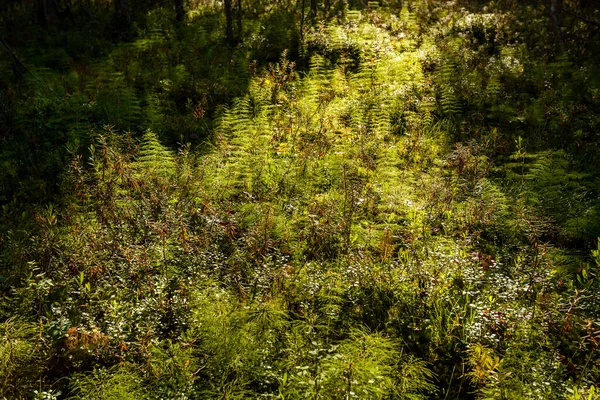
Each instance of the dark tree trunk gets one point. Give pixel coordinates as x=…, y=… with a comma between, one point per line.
x=556, y=17
x=313, y=10
x=229, y=18
x=48, y=11
x=239, y=13
x=179, y=11
x=122, y=10
x=302, y=17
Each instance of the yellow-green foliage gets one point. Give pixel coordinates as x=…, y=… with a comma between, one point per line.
x=18, y=356
x=122, y=382
x=360, y=225
x=153, y=159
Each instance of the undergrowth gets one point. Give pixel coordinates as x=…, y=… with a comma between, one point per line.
x=392, y=219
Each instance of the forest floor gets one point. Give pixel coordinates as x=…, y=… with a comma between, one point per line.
x=396, y=217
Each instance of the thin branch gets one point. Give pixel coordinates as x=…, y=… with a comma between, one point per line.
x=18, y=67
x=584, y=19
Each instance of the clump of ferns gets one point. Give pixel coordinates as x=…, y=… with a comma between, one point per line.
x=139, y=203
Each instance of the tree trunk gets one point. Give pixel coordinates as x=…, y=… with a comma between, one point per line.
x=556, y=17
x=239, y=12
x=48, y=11
x=313, y=10
x=122, y=10
x=229, y=18
x=179, y=11
x=302, y=22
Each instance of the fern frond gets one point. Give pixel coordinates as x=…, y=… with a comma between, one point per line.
x=448, y=97
x=494, y=88
x=154, y=159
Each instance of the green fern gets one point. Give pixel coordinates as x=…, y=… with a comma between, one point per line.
x=153, y=159
x=427, y=108
x=448, y=97
x=494, y=88
x=115, y=102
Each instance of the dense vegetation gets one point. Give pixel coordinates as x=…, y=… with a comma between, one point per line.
x=321, y=200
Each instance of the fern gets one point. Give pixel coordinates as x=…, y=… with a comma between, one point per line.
x=154, y=113
x=408, y=18
x=494, y=88
x=427, y=111
x=153, y=38
x=337, y=37
x=448, y=97
x=153, y=159
x=115, y=102
x=315, y=85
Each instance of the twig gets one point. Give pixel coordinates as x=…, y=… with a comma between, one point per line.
x=584, y=19
x=16, y=61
